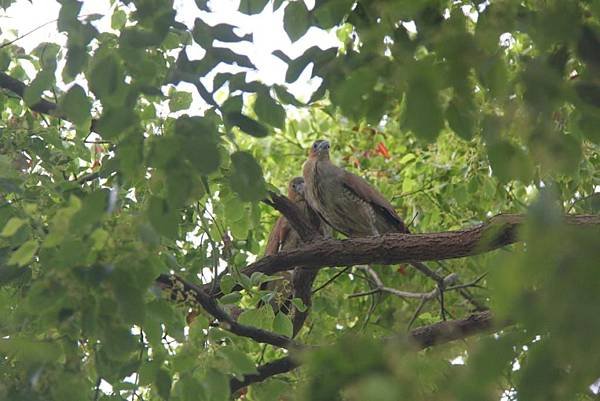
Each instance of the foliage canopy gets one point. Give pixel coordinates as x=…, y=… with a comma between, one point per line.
x=455, y=110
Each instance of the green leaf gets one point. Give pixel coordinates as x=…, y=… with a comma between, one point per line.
x=43, y=81
x=251, y=7
x=31, y=351
x=269, y=111
x=116, y=121
x=12, y=226
x=163, y=217
x=179, y=101
x=24, y=254
x=190, y=389
x=241, y=363
x=269, y=390
x=423, y=114
x=298, y=304
x=509, y=162
x=247, y=124
x=202, y=5
x=245, y=281
x=148, y=371
x=331, y=13
x=163, y=383
x=119, y=342
x=296, y=20
x=260, y=318
x=231, y=298
x=227, y=283
x=129, y=297
x=247, y=178
x=118, y=19
x=216, y=385
x=283, y=325
x=198, y=142
x=461, y=118
x=286, y=97
x=76, y=105
x=106, y=77
x=277, y=4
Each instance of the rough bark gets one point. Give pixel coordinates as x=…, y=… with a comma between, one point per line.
x=395, y=248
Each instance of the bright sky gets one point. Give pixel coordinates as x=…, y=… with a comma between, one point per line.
x=266, y=27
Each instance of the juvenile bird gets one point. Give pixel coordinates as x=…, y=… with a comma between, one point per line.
x=294, y=283
x=282, y=236
x=348, y=203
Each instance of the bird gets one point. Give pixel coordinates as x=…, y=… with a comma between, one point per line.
x=348, y=203
x=283, y=236
x=294, y=283
x=345, y=201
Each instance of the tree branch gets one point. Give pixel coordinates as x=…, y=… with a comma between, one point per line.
x=18, y=88
x=451, y=330
x=278, y=366
x=209, y=304
x=422, y=337
x=395, y=248
x=43, y=106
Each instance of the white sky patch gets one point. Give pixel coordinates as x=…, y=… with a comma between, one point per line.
x=266, y=27
x=459, y=360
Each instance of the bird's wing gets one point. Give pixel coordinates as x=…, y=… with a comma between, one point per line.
x=278, y=235
x=369, y=194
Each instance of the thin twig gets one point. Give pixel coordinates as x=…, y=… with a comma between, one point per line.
x=97, y=391
x=3, y=45
x=380, y=287
x=416, y=314
x=331, y=280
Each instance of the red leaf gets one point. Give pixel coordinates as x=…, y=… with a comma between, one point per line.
x=383, y=150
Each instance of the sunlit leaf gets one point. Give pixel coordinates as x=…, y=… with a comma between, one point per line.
x=296, y=20
x=24, y=254
x=247, y=178
x=283, y=325
x=247, y=124
x=76, y=105
x=269, y=111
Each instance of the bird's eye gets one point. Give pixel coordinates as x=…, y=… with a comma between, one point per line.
x=315, y=145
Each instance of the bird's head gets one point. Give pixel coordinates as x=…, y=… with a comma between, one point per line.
x=319, y=150
x=296, y=189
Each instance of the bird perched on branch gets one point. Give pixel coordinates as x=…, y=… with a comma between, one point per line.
x=348, y=203
x=282, y=238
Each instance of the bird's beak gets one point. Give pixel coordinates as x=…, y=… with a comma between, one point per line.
x=300, y=188
x=324, y=145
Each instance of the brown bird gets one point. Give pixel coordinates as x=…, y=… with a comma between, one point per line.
x=294, y=283
x=348, y=203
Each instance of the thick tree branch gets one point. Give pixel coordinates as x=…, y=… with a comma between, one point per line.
x=422, y=337
x=451, y=330
x=209, y=304
x=278, y=366
x=394, y=248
